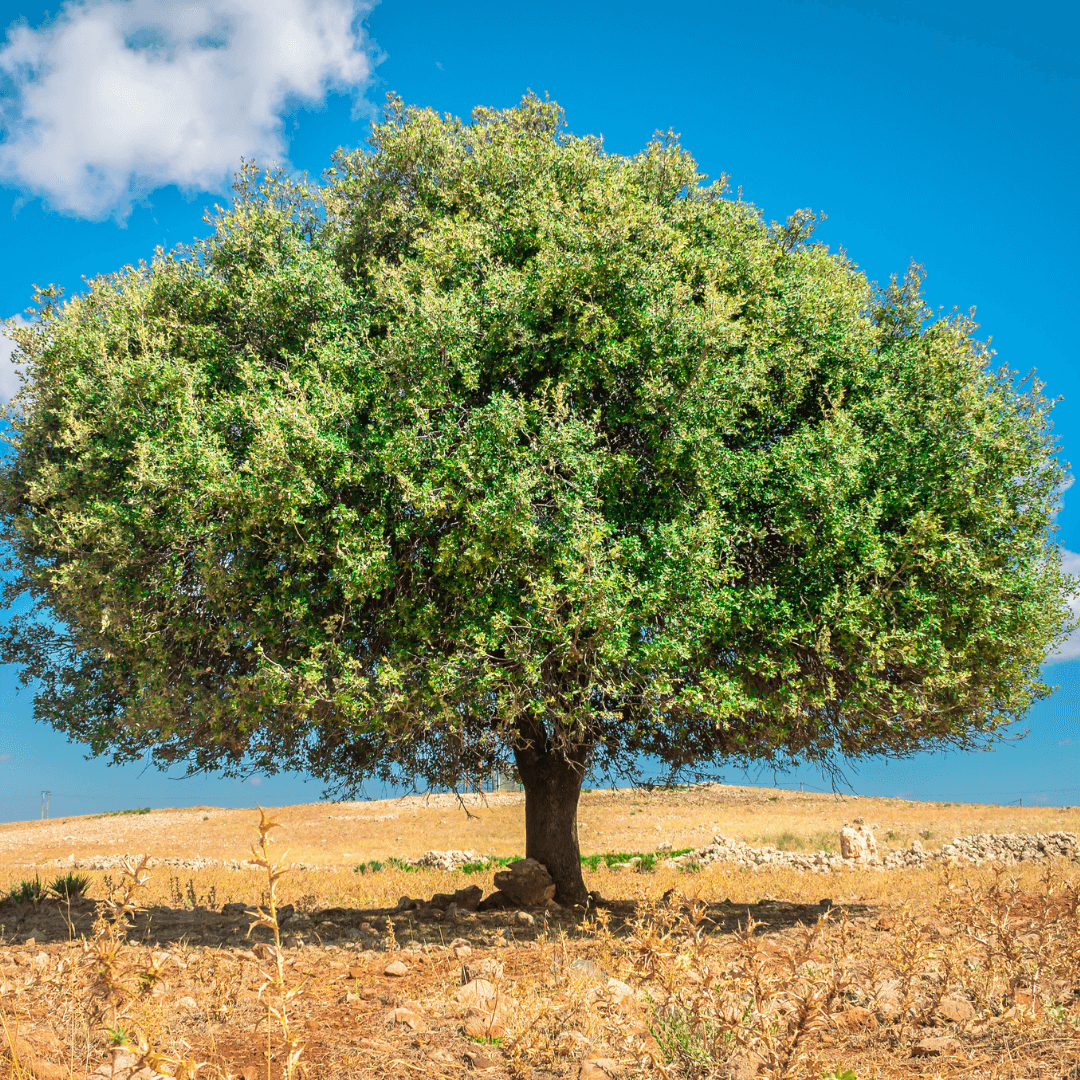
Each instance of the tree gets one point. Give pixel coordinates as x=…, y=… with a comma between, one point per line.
x=500, y=450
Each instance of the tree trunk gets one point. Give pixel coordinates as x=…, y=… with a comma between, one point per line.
x=552, y=788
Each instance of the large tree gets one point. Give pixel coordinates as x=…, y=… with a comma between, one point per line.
x=501, y=450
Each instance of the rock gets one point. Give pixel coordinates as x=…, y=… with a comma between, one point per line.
x=447, y=860
x=480, y=1062
x=527, y=883
x=468, y=899
x=523, y=918
x=569, y=1043
x=396, y=969
x=461, y=949
x=856, y=1019
x=495, y=902
x=599, y=1068
x=489, y=968
x=955, y=1010
x=405, y=1017
x=936, y=1046
x=484, y=1024
x=479, y=993
x=857, y=843
x=46, y=1070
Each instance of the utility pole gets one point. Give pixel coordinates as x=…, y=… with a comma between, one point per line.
x=45, y=805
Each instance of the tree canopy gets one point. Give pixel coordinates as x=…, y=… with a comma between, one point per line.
x=499, y=449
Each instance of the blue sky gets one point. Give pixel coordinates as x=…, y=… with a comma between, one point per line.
x=943, y=132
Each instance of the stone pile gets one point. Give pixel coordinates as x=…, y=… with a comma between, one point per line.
x=1012, y=847
x=447, y=860
x=968, y=850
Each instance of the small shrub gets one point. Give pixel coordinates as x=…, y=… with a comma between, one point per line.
x=70, y=886
x=27, y=892
x=789, y=841
x=926, y=834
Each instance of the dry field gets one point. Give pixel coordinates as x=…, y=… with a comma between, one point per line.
x=959, y=972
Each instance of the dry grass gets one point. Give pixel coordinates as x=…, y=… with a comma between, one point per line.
x=343, y=834
x=722, y=973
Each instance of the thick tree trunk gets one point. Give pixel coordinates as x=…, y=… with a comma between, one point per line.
x=552, y=788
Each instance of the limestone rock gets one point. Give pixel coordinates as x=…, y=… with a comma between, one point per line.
x=857, y=843
x=599, y=1068
x=527, y=883
x=467, y=899
x=956, y=1010
x=479, y=993
x=936, y=1046
x=856, y=1019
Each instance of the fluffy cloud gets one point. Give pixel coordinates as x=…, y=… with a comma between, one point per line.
x=113, y=98
x=9, y=370
x=1070, y=647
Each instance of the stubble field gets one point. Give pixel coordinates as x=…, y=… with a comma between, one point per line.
x=726, y=972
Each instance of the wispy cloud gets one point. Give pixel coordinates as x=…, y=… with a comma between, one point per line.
x=113, y=98
x=9, y=370
x=1070, y=647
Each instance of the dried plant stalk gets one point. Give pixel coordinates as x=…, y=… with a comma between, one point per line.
x=268, y=917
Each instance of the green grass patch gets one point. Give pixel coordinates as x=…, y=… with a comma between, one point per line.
x=494, y=863
x=372, y=867
x=647, y=860
x=122, y=813
x=27, y=892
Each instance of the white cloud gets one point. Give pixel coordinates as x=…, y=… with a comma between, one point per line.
x=9, y=370
x=113, y=99
x=1069, y=649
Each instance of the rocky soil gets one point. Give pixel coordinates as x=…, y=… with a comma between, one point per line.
x=978, y=850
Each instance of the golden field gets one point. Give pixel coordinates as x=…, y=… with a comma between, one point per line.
x=971, y=972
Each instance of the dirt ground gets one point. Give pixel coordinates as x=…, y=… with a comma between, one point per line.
x=962, y=972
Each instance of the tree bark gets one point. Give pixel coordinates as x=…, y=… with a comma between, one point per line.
x=552, y=784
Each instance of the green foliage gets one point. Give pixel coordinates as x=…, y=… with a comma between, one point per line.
x=70, y=886
x=646, y=860
x=122, y=813
x=372, y=867
x=502, y=441
x=484, y=865
x=27, y=892
x=789, y=841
